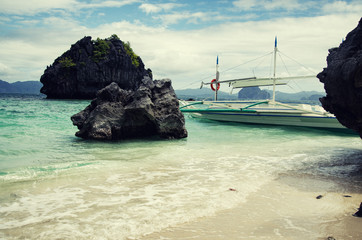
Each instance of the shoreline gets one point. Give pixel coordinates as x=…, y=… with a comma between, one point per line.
x=294, y=206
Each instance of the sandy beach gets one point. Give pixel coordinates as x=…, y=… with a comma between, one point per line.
x=290, y=207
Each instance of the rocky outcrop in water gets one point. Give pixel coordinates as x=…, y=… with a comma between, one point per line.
x=153, y=109
x=91, y=65
x=343, y=81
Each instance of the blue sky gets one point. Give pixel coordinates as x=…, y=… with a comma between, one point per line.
x=177, y=39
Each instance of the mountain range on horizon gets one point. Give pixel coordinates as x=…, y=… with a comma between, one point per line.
x=24, y=87
x=33, y=87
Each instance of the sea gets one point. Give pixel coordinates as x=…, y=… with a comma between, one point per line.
x=54, y=185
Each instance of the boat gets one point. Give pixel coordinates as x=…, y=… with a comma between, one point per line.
x=266, y=111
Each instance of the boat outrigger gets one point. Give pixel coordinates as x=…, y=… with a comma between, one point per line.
x=269, y=112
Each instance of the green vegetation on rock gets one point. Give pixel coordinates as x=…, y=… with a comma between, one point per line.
x=67, y=62
x=130, y=52
x=113, y=37
x=101, y=49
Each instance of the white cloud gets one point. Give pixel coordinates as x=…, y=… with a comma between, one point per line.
x=282, y=4
x=343, y=7
x=4, y=19
x=28, y=22
x=150, y=8
x=102, y=4
x=245, y=5
x=32, y=7
x=5, y=70
x=156, y=8
x=188, y=17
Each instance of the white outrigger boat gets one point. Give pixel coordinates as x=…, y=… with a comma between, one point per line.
x=268, y=112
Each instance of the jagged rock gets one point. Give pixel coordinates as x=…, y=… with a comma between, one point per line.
x=359, y=212
x=343, y=81
x=153, y=109
x=252, y=93
x=92, y=65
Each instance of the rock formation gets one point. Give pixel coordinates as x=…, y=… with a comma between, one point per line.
x=152, y=109
x=359, y=212
x=92, y=65
x=343, y=81
x=253, y=93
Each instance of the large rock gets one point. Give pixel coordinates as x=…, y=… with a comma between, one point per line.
x=343, y=81
x=92, y=65
x=153, y=109
x=253, y=93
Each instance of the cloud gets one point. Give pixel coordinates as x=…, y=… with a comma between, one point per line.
x=106, y=4
x=245, y=5
x=156, y=8
x=281, y=4
x=188, y=17
x=5, y=70
x=32, y=7
x=4, y=19
x=342, y=7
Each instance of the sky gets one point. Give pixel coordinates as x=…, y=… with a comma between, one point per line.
x=181, y=40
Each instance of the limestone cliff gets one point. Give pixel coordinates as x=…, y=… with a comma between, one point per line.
x=343, y=81
x=91, y=65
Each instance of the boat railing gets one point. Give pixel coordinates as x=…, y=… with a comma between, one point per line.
x=325, y=113
x=190, y=104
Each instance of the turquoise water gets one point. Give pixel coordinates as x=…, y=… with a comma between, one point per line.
x=55, y=185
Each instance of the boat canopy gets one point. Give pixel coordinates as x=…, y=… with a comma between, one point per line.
x=256, y=82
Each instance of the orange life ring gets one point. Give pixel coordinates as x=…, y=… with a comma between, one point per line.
x=212, y=85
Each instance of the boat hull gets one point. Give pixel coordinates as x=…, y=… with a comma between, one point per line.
x=272, y=119
x=264, y=112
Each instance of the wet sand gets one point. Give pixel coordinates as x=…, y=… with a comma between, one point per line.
x=290, y=207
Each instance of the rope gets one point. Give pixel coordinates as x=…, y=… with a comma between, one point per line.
x=285, y=66
x=295, y=82
x=246, y=62
x=210, y=76
x=298, y=62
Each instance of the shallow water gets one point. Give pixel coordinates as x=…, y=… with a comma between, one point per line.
x=54, y=185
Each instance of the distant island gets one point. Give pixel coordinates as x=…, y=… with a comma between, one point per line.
x=25, y=87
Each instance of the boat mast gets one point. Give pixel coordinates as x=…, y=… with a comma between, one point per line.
x=275, y=65
x=217, y=77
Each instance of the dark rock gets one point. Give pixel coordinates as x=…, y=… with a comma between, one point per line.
x=319, y=196
x=152, y=109
x=343, y=81
x=92, y=65
x=359, y=212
